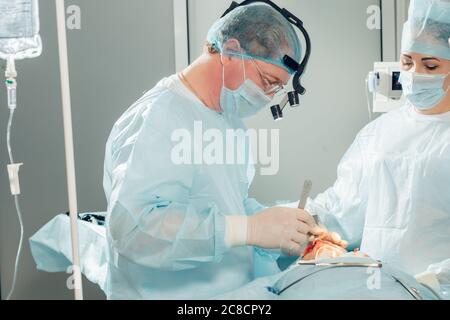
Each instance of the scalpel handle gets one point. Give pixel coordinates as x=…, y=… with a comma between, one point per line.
x=305, y=194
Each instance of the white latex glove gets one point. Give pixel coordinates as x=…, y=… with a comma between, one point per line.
x=282, y=228
x=429, y=279
x=332, y=237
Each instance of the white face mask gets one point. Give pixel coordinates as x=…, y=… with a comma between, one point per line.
x=423, y=91
x=245, y=101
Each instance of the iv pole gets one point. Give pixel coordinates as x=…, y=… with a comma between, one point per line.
x=69, y=147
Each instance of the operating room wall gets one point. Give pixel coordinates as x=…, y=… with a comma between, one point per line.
x=315, y=136
x=113, y=59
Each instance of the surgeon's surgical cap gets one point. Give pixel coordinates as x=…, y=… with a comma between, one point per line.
x=427, y=30
x=263, y=34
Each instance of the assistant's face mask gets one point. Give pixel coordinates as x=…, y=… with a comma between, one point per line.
x=423, y=91
x=245, y=101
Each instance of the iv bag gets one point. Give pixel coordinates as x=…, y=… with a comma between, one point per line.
x=19, y=29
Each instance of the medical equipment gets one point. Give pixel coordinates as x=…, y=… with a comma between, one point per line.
x=304, y=198
x=94, y=218
x=69, y=146
x=291, y=97
x=19, y=39
x=344, y=278
x=305, y=194
x=383, y=83
x=350, y=261
x=19, y=29
x=353, y=276
x=307, y=187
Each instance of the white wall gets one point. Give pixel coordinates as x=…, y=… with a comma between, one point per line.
x=315, y=136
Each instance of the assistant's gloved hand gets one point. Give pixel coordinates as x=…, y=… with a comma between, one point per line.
x=329, y=236
x=282, y=228
x=428, y=279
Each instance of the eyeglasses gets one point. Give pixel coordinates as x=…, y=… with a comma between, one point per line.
x=270, y=87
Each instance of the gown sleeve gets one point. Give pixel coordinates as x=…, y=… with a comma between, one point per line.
x=152, y=219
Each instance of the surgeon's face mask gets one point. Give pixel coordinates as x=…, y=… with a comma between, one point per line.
x=245, y=101
x=423, y=91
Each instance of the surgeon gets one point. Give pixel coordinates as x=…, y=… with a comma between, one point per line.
x=392, y=194
x=188, y=230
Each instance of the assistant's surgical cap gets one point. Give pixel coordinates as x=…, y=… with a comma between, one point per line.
x=427, y=30
x=263, y=34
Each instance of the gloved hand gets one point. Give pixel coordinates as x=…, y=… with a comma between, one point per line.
x=428, y=279
x=282, y=228
x=332, y=237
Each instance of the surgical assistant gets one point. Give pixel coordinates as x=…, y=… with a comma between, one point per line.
x=392, y=194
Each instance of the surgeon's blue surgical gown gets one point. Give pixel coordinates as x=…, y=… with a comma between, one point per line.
x=392, y=194
x=166, y=221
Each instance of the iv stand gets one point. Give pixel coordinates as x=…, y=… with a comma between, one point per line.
x=69, y=147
